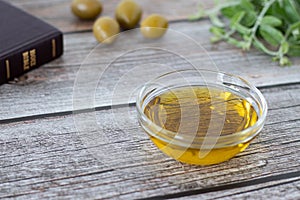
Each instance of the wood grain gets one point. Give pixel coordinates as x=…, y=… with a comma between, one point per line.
x=48, y=158
x=48, y=152
x=49, y=89
x=283, y=189
x=67, y=22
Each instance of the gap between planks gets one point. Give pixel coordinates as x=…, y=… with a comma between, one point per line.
x=267, y=161
x=49, y=88
x=104, y=107
x=229, y=186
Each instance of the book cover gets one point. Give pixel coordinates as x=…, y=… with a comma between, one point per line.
x=26, y=42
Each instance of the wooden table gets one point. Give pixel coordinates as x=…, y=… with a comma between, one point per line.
x=42, y=155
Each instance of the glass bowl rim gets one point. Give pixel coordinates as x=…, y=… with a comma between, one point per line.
x=255, y=129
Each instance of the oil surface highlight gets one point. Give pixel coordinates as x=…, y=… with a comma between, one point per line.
x=198, y=111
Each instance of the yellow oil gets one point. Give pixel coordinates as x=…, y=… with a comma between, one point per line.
x=198, y=111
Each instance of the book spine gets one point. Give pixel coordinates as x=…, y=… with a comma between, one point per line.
x=32, y=56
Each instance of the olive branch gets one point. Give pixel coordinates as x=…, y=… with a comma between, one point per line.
x=272, y=26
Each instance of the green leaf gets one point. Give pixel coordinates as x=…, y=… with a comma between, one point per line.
x=271, y=20
x=218, y=34
x=247, y=5
x=242, y=29
x=217, y=31
x=271, y=35
x=296, y=33
x=261, y=47
x=235, y=23
x=248, y=42
x=239, y=44
x=249, y=19
x=291, y=11
x=284, y=47
x=215, y=39
x=297, y=4
x=230, y=11
x=258, y=4
x=278, y=11
x=294, y=50
x=216, y=21
x=294, y=29
x=259, y=23
x=293, y=41
x=237, y=18
x=287, y=10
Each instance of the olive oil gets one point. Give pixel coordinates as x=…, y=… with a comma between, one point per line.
x=194, y=112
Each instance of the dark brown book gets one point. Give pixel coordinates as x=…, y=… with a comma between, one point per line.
x=26, y=42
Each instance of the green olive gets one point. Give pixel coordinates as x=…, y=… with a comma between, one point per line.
x=105, y=28
x=154, y=26
x=86, y=9
x=128, y=14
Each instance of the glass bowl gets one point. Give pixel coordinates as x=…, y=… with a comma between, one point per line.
x=201, y=117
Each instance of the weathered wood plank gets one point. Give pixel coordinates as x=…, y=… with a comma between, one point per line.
x=64, y=19
x=287, y=189
x=46, y=158
x=50, y=88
